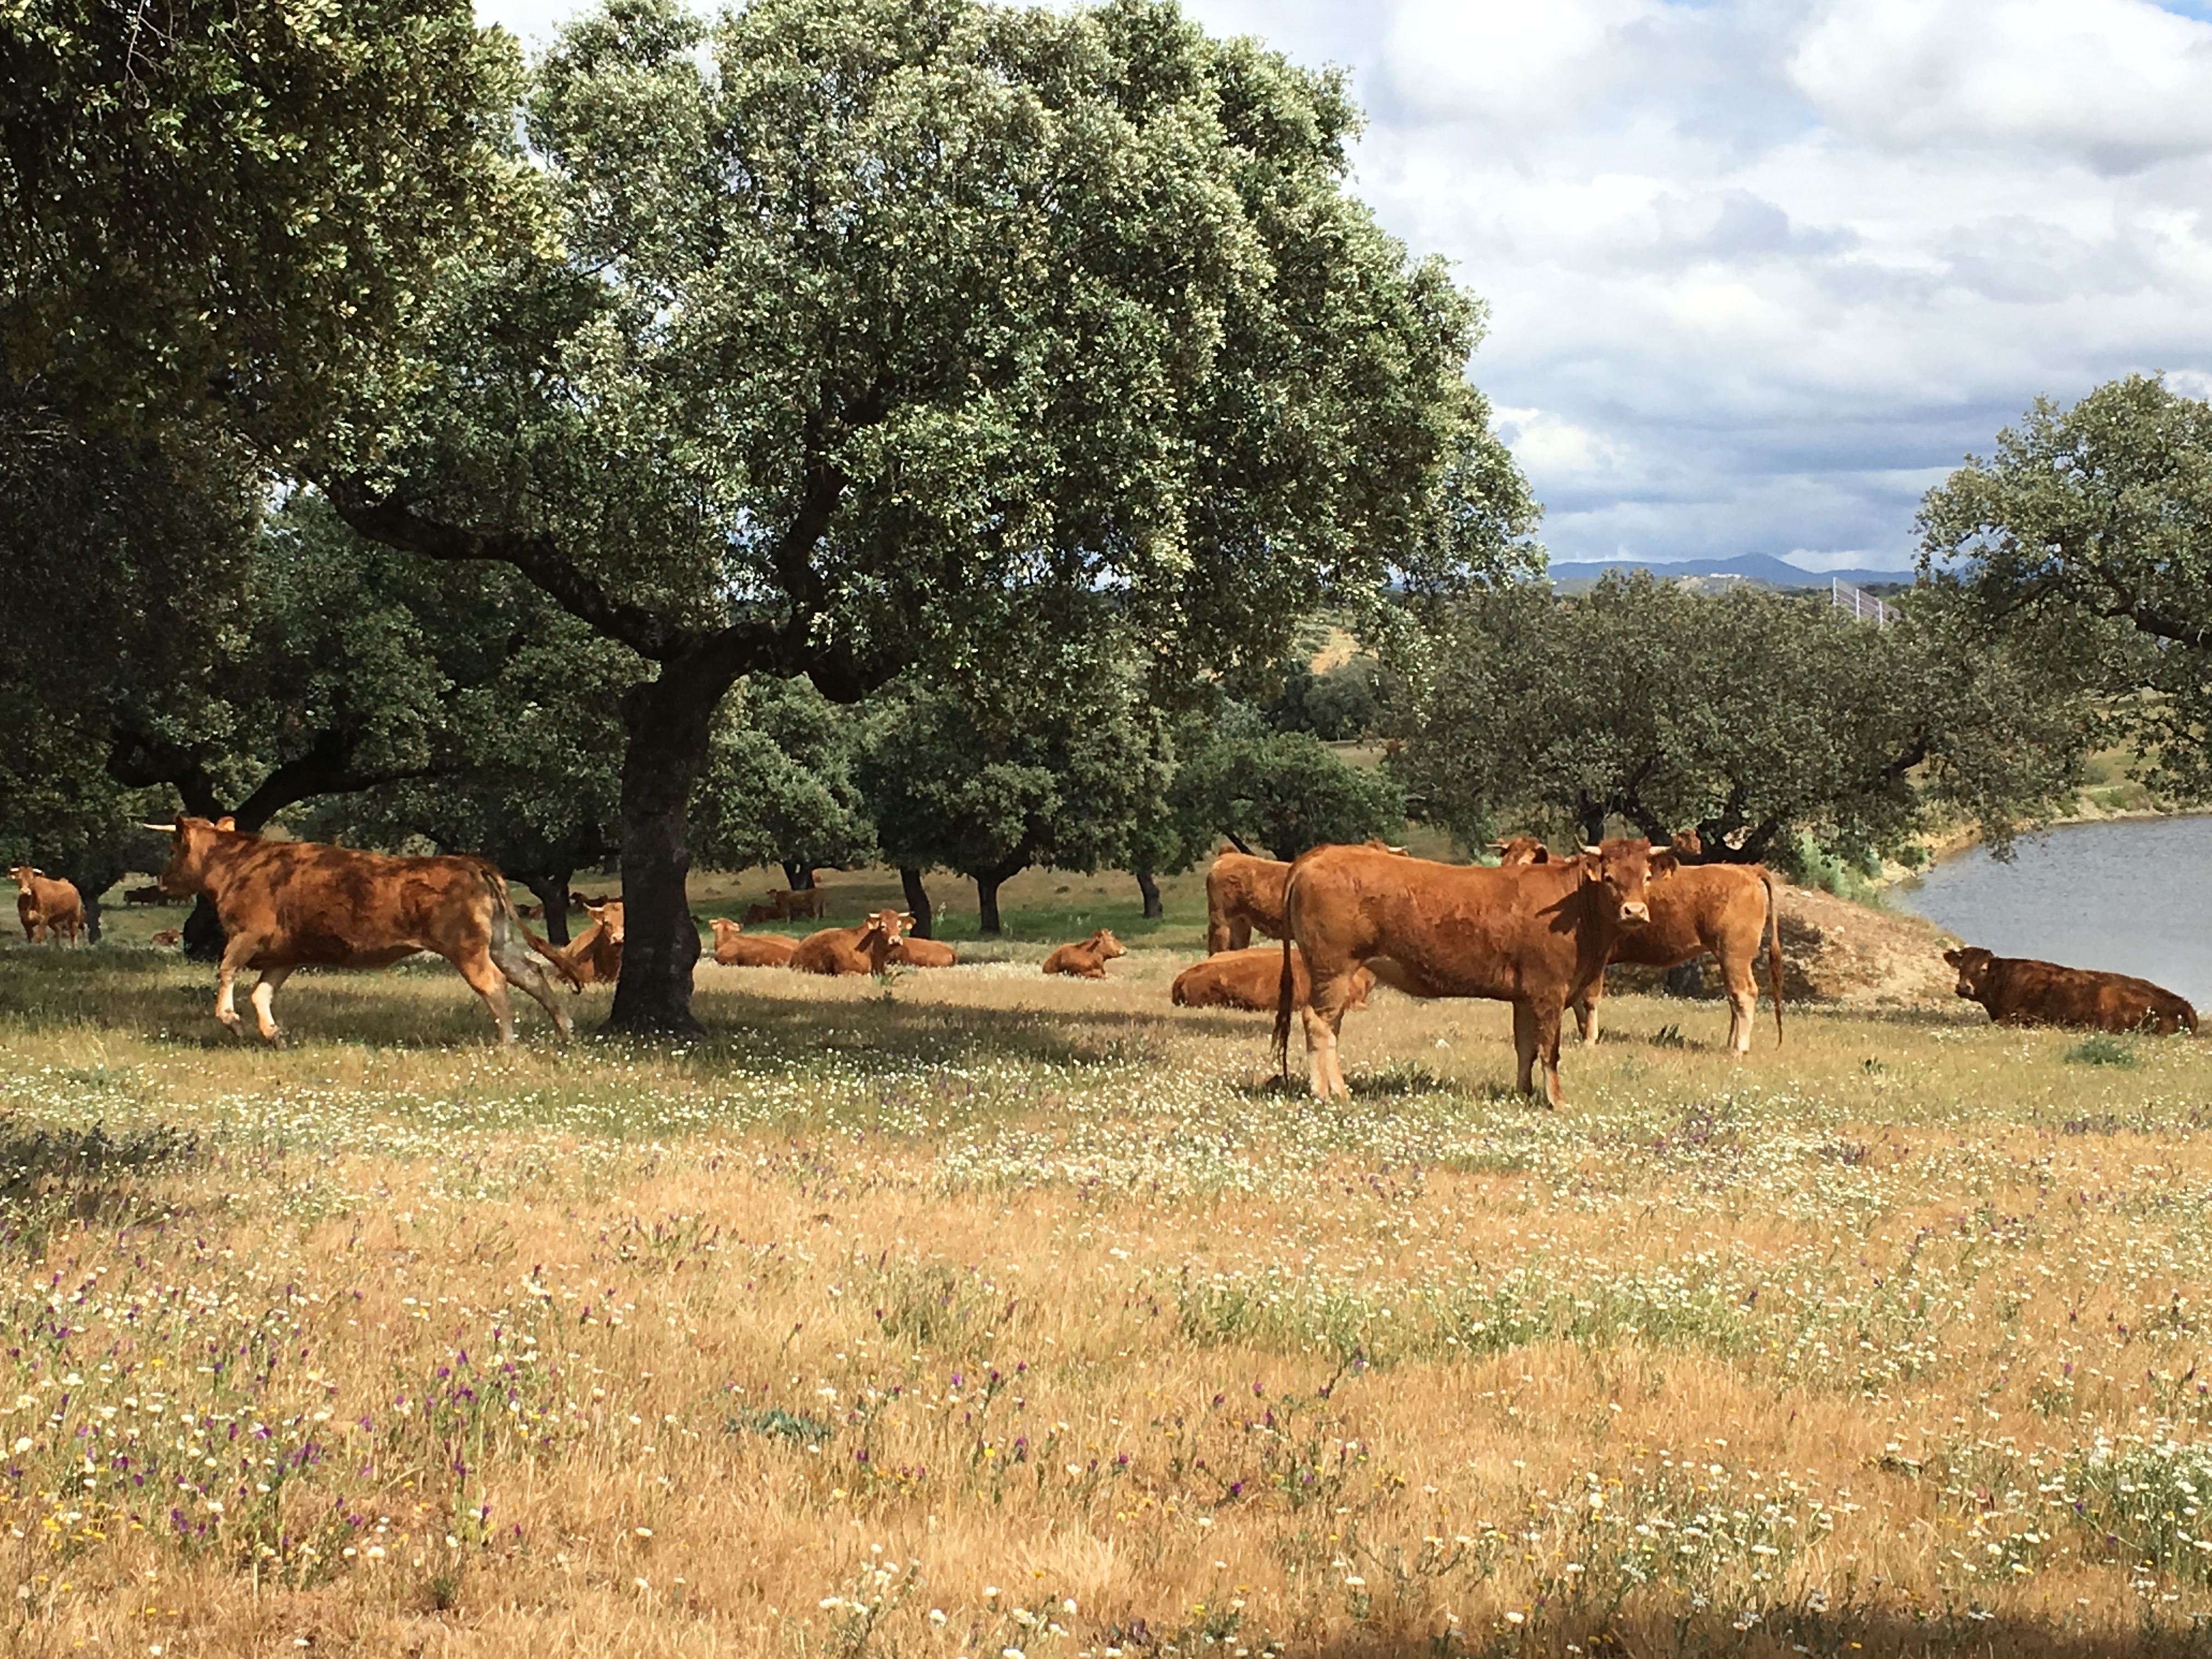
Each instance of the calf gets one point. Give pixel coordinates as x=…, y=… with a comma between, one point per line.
x=1086, y=959
x=2022, y=991
x=1252, y=980
x=735, y=948
x=286, y=905
x=1725, y=908
x=49, y=909
x=594, y=956
x=169, y=936
x=910, y=952
x=862, y=950
x=1536, y=936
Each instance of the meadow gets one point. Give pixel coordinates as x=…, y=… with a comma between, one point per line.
x=973, y=1314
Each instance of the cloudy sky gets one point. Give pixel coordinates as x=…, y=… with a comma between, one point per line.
x=1761, y=271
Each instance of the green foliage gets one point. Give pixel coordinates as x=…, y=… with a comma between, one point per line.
x=242, y=201
x=1747, y=715
x=2103, y=1049
x=1339, y=706
x=2086, y=539
x=778, y=785
x=1286, y=791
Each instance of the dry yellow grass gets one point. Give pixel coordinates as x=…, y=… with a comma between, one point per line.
x=977, y=1314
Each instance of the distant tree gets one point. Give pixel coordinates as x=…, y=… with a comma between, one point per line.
x=904, y=330
x=1283, y=792
x=1053, y=763
x=2085, y=544
x=1338, y=706
x=778, y=785
x=1747, y=716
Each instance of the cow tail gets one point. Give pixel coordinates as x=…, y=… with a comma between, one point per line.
x=1773, y=946
x=507, y=922
x=1286, y=989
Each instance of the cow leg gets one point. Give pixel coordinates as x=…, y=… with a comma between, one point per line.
x=235, y=951
x=488, y=982
x=1586, y=1013
x=1524, y=1047
x=1743, y=1003
x=1321, y=1053
x=520, y=969
x=264, y=995
x=1547, y=1043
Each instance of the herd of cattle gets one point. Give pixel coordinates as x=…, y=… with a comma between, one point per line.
x=1535, y=930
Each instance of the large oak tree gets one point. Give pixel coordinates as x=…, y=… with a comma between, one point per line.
x=908, y=325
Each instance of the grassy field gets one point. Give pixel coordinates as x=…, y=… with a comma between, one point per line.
x=976, y=1313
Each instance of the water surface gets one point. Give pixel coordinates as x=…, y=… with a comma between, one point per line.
x=2127, y=896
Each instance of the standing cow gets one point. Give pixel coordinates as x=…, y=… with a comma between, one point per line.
x=1725, y=908
x=49, y=909
x=289, y=904
x=1536, y=936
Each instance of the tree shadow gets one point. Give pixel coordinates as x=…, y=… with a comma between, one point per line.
x=53, y=1177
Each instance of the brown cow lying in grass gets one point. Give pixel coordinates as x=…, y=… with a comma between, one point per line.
x=290, y=904
x=910, y=952
x=49, y=909
x=1253, y=980
x=594, y=956
x=2022, y=991
x=1086, y=959
x=735, y=948
x=862, y=950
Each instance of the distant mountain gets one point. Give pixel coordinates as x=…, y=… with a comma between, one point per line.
x=1763, y=569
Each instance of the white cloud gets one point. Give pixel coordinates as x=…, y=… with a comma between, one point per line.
x=2119, y=84
x=1505, y=56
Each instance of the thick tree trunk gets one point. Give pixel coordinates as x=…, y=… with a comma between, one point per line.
x=552, y=891
x=665, y=723
x=987, y=894
x=798, y=877
x=1593, y=825
x=917, y=902
x=91, y=915
x=203, y=933
x=1151, y=890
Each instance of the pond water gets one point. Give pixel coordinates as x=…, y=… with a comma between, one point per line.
x=2126, y=897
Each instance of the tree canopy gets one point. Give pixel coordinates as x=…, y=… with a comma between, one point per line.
x=1745, y=716
x=910, y=327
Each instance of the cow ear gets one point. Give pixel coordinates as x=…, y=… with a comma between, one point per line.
x=1952, y=956
x=225, y=821
x=1663, y=863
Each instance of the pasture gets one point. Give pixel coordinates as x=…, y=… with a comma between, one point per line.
x=971, y=1313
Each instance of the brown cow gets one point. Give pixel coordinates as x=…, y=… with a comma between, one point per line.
x=49, y=909
x=152, y=895
x=594, y=956
x=910, y=952
x=1725, y=908
x=2022, y=991
x=169, y=936
x=735, y=948
x=757, y=913
x=1087, y=958
x=1252, y=979
x=796, y=901
x=1533, y=935
x=285, y=905
x=1242, y=894
x=862, y=950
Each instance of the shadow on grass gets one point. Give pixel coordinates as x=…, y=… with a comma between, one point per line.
x=1844, y=1633
x=49, y=1177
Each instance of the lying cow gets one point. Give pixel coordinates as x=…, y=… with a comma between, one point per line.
x=907, y=951
x=1536, y=936
x=169, y=936
x=757, y=914
x=1725, y=908
x=736, y=948
x=594, y=956
x=2022, y=991
x=1086, y=959
x=51, y=910
x=862, y=950
x=289, y=904
x=1253, y=980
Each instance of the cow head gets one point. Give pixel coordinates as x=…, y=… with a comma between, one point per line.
x=1973, y=965
x=608, y=915
x=1624, y=868
x=725, y=928
x=1107, y=946
x=22, y=876
x=194, y=840
x=1521, y=849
